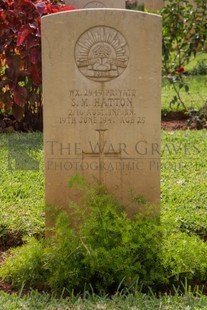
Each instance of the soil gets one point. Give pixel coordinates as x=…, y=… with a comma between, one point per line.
x=174, y=124
x=174, y=120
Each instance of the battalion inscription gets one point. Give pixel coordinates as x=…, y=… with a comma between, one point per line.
x=110, y=106
x=101, y=53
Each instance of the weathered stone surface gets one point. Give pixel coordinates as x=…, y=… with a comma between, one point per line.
x=86, y=4
x=101, y=95
x=152, y=4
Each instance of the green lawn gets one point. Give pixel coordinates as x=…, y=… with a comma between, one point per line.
x=183, y=213
x=21, y=191
x=37, y=301
x=196, y=97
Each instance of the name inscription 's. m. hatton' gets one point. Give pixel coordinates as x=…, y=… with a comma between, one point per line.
x=101, y=53
x=108, y=106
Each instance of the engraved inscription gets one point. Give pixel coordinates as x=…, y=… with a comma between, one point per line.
x=94, y=4
x=101, y=154
x=108, y=106
x=101, y=53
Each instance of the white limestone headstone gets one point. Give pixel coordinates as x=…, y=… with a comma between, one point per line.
x=101, y=97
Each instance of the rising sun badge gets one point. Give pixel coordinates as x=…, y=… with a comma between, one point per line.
x=101, y=53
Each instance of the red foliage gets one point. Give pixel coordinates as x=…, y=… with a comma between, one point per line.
x=180, y=70
x=20, y=54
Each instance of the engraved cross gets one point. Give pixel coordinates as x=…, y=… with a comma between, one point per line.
x=101, y=154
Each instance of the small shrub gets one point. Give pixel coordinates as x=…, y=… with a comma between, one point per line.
x=105, y=250
x=63, y=258
x=23, y=266
x=197, y=119
x=184, y=257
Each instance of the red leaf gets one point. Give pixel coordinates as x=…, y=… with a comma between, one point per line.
x=34, y=55
x=23, y=73
x=2, y=15
x=35, y=75
x=26, y=30
x=13, y=62
x=67, y=8
x=20, y=96
x=180, y=70
x=48, y=9
x=9, y=73
x=34, y=42
x=25, y=3
x=18, y=112
x=54, y=9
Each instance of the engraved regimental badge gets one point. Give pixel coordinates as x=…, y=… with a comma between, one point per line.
x=101, y=53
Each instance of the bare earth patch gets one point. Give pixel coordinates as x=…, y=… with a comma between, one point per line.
x=174, y=125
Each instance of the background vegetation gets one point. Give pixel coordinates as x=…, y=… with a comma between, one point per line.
x=184, y=35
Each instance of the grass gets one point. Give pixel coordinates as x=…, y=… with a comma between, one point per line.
x=197, y=95
x=138, y=301
x=21, y=191
x=184, y=180
x=195, y=61
x=184, y=209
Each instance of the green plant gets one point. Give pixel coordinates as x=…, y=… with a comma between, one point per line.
x=22, y=191
x=133, y=5
x=184, y=34
x=20, y=57
x=184, y=257
x=183, y=298
x=106, y=251
x=198, y=118
x=200, y=68
x=24, y=265
x=196, y=97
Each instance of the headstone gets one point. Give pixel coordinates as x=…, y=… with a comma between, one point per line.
x=101, y=96
x=152, y=4
x=86, y=4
